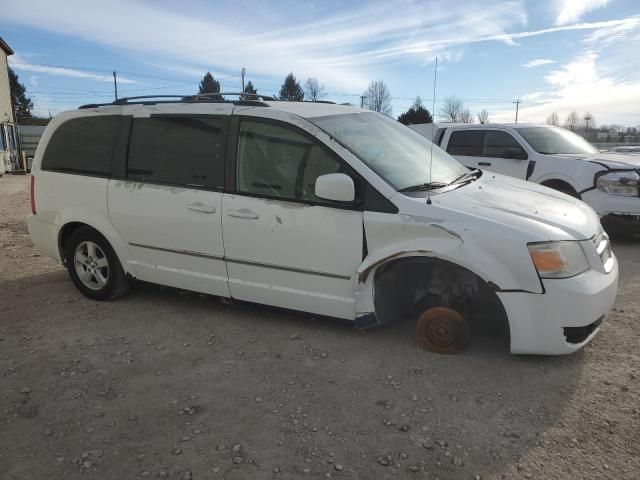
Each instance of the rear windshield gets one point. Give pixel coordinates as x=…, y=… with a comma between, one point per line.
x=555, y=140
x=400, y=155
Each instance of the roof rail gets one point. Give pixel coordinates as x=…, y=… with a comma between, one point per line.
x=244, y=99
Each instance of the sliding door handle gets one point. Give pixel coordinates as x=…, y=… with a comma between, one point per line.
x=243, y=213
x=199, y=207
x=484, y=164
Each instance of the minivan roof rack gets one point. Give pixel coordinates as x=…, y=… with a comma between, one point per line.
x=243, y=99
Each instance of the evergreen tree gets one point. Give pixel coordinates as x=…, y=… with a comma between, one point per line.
x=22, y=105
x=208, y=84
x=291, y=90
x=249, y=88
x=416, y=114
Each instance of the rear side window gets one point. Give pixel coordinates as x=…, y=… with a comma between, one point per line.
x=83, y=145
x=1, y=137
x=178, y=150
x=465, y=142
x=502, y=145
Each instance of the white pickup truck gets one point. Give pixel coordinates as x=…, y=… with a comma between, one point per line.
x=551, y=156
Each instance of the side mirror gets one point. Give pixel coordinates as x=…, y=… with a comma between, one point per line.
x=514, y=153
x=337, y=187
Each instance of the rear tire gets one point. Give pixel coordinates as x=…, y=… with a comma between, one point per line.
x=93, y=265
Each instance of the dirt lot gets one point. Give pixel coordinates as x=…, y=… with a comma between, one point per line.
x=170, y=384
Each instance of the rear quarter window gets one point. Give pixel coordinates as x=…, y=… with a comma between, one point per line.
x=83, y=145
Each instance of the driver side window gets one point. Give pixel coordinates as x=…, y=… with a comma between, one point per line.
x=276, y=161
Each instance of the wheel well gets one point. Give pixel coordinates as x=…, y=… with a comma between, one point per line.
x=66, y=231
x=406, y=287
x=562, y=186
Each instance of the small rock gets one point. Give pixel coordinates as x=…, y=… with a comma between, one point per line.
x=276, y=469
x=338, y=467
x=428, y=444
x=48, y=433
x=145, y=474
x=404, y=427
x=84, y=455
x=258, y=399
x=25, y=390
x=294, y=336
x=177, y=451
x=187, y=476
x=414, y=468
x=86, y=464
x=403, y=456
x=458, y=461
x=385, y=460
x=238, y=460
x=442, y=443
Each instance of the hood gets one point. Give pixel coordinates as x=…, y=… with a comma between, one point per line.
x=535, y=210
x=612, y=160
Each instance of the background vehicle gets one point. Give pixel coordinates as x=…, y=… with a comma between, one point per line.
x=319, y=208
x=554, y=157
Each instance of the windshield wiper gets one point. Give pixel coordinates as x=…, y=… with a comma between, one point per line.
x=423, y=187
x=465, y=177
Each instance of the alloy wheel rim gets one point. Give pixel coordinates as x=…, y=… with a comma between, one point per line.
x=91, y=265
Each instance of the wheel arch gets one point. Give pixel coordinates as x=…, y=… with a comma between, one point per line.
x=72, y=223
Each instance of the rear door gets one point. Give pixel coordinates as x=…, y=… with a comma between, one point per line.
x=284, y=246
x=466, y=146
x=167, y=204
x=489, y=149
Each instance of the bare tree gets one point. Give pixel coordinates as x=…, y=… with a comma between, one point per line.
x=466, y=116
x=450, y=110
x=553, y=119
x=572, y=122
x=378, y=98
x=483, y=116
x=313, y=89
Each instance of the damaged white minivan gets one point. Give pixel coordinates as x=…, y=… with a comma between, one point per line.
x=320, y=208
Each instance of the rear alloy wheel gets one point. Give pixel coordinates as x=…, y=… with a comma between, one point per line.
x=442, y=330
x=94, y=266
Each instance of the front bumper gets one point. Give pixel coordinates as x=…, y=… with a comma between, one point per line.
x=544, y=323
x=606, y=203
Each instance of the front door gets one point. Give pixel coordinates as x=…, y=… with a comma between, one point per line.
x=168, y=208
x=283, y=245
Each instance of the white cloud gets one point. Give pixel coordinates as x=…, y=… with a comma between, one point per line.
x=572, y=10
x=18, y=63
x=582, y=85
x=538, y=62
x=33, y=80
x=345, y=50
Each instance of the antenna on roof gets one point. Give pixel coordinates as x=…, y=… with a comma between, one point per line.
x=433, y=112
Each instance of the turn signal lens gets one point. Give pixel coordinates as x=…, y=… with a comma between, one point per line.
x=547, y=260
x=558, y=259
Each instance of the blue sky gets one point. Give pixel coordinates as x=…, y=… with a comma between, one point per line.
x=555, y=55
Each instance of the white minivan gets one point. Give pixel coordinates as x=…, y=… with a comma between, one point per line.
x=320, y=208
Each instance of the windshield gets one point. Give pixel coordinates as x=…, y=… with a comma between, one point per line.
x=554, y=140
x=395, y=152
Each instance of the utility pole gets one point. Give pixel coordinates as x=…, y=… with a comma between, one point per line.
x=517, y=102
x=115, y=84
x=243, y=79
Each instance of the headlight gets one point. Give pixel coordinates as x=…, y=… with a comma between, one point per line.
x=558, y=259
x=619, y=183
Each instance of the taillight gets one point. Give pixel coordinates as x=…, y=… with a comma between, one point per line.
x=32, y=194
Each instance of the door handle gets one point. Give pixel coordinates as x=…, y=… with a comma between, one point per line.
x=243, y=213
x=199, y=207
x=484, y=164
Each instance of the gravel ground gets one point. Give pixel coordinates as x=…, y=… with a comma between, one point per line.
x=171, y=384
